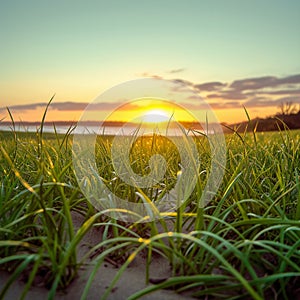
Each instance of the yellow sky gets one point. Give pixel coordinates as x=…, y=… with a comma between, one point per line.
x=233, y=52
x=229, y=116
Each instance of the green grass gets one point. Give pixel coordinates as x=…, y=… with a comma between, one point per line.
x=243, y=244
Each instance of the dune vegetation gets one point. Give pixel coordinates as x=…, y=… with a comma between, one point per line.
x=243, y=245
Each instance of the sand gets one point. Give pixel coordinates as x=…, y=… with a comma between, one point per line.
x=132, y=280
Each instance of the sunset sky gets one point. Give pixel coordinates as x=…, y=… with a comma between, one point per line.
x=232, y=53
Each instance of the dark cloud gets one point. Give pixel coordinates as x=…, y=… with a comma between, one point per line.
x=25, y=106
x=228, y=95
x=210, y=86
x=259, y=91
x=71, y=106
x=61, y=106
x=176, y=71
x=283, y=92
x=67, y=106
x=294, y=79
x=259, y=102
x=266, y=101
x=193, y=97
x=253, y=83
x=225, y=105
x=196, y=105
x=183, y=82
x=264, y=82
x=288, y=99
x=252, y=92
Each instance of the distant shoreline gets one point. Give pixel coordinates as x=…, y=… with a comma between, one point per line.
x=272, y=123
x=195, y=125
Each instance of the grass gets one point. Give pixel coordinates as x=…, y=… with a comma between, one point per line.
x=244, y=244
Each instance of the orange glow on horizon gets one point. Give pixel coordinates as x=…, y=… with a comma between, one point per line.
x=151, y=111
x=230, y=116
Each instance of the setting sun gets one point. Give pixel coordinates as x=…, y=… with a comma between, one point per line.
x=156, y=116
x=149, y=110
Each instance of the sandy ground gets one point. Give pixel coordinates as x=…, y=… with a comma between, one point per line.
x=132, y=280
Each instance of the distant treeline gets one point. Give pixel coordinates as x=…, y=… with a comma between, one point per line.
x=278, y=122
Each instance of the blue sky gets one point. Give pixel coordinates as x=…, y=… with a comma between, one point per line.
x=77, y=49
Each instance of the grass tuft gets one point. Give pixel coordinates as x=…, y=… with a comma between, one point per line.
x=244, y=243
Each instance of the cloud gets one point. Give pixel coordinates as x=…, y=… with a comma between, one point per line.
x=225, y=105
x=264, y=82
x=259, y=102
x=294, y=79
x=182, y=81
x=253, y=83
x=71, y=106
x=176, y=71
x=210, y=86
x=25, y=106
x=149, y=75
x=61, y=106
x=267, y=91
x=259, y=91
x=228, y=95
x=284, y=92
x=265, y=101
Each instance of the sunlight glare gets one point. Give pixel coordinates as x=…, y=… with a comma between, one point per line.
x=156, y=116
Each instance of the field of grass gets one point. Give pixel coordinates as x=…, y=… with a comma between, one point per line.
x=245, y=244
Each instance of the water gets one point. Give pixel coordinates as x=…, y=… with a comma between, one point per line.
x=63, y=129
x=92, y=129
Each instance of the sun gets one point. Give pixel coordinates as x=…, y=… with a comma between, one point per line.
x=156, y=116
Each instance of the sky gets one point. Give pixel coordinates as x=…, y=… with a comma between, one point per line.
x=232, y=53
